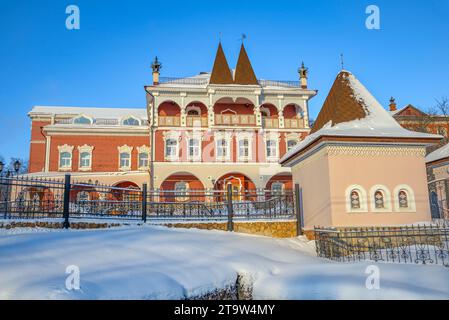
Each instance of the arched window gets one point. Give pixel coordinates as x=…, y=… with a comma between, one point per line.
x=355, y=199
x=403, y=199
x=65, y=159
x=379, y=199
x=131, y=121
x=82, y=120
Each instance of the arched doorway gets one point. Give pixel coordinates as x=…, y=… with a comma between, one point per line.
x=182, y=187
x=242, y=187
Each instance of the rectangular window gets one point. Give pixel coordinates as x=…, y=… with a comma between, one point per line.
x=85, y=160
x=65, y=160
x=271, y=149
x=194, y=148
x=222, y=148
x=244, y=148
x=171, y=148
x=143, y=160
x=125, y=160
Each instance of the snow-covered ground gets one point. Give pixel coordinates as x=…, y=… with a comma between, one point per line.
x=153, y=262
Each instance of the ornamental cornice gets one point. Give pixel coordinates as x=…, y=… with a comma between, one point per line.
x=371, y=151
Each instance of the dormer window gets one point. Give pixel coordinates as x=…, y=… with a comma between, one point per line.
x=131, y=121
x=82, y=120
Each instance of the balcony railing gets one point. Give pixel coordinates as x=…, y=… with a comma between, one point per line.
x=293, y=123
x=235, y=120
x=184, y=81
x=169, y=121
x=205, y=81
x=196, y=121
x=270, y=123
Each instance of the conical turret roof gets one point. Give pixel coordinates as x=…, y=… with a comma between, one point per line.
x=244, y=73
x=221, y=74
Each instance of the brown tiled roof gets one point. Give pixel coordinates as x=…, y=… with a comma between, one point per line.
x=244, y=73
x=340, y=104
x=221, y=74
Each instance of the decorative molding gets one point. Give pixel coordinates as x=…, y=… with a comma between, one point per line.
x=371, y=151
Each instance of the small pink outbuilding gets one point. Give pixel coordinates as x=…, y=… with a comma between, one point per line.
x=359, y=167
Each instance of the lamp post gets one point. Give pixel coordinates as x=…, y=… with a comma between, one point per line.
x=16, y=166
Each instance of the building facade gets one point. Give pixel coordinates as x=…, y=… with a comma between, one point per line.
x=201, y=132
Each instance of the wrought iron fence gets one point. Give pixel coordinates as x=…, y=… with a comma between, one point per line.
x=24, y=197
x=31, y=197
x=427, y=244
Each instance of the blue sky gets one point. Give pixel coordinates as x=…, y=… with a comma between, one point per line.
x=106, y=62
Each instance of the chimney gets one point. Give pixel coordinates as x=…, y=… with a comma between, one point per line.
x=156, y=66
x=392, y=104
x=303, y=72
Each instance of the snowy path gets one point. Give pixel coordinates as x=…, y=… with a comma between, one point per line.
x=151, y=262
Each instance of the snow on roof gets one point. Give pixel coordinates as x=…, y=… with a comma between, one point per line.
x=377, y=122
x=110, y=113
x=438, y=154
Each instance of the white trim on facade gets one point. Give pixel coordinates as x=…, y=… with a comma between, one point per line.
x=410, y=198
x=124, y=149
x=65, y=149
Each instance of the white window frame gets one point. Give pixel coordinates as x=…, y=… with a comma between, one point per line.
x=226, y=136
x=387, y=198
x=143, y=150
x=410, y=198
x=272, y=136
x=171, y=135
x=291, y=137
x=194, y=157
x=62, y=149
x=362, y=198
x=125, y=149
x=85, y=149
x=242, y=136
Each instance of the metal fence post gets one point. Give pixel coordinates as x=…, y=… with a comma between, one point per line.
x=66, y=206
x=298, y=197
x=230, y=208
x=144, y=202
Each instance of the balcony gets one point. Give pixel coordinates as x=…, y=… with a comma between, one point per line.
x=196, y=121
x=235, y=120
x=169, y=121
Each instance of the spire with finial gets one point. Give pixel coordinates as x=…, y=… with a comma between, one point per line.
x=156, y=67
x=303, y=72
x=392, y=104
x=342, y=62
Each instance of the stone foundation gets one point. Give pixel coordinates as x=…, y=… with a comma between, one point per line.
x=56, y=225
x=275, y=229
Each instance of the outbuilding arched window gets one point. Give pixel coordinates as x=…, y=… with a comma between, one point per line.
x=403, y=199
x=355, y=199
x=379, y=199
